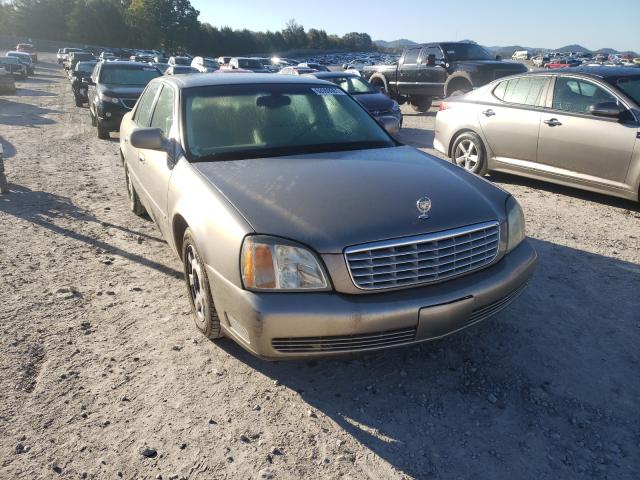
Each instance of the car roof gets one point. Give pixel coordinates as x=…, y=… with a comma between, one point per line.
x=206, y=79
x=124, y=63
x=343, y=73
x=594, y=72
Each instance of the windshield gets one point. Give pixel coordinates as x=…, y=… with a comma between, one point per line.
x=182, y=61
x=352, y=85
x=211, y=63
x=85, y=67
x=465, y=51
x=250, y=121
x=138, y=76
x=631, y=87
x=249, y=63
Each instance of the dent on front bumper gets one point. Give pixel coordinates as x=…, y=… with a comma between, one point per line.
x=294, y=325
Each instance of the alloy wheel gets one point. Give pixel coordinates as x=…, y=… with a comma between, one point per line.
x=466, y=155
x=196, y=288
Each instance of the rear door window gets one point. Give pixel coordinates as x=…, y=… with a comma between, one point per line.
x=521, y=91
x=163, y=113
x=142, y=116
x=411, y=56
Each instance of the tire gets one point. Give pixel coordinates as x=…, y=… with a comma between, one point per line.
x=134, y=200
x=103, y=133
x=195, y=273
x=420, y=104
x=469, y=153
x=78, y=101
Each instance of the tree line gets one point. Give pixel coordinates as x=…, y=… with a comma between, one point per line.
x=170, y=25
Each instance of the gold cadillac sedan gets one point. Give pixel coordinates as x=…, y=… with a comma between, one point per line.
x=305, y=228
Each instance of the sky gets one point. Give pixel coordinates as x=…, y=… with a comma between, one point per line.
x=593, y=24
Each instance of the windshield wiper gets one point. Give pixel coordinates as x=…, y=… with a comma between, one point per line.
x=290, y=151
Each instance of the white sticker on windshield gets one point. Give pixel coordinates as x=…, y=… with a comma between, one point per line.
x=451, y=52
x=149, y=69
x=328, y=91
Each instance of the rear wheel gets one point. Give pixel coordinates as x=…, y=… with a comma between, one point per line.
x=202, y=307
x=468, y=152
x=420, y=104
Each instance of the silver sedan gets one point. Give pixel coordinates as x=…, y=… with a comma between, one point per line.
x=578, y=127
x=305, y=228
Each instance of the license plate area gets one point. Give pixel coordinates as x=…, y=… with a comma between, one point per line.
x=440, y=320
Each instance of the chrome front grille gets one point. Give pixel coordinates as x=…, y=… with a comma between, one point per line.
x=423, y=259
x=343, y=343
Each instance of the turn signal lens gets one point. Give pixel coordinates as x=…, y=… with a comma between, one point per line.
x=444, y=106
x=275, y=264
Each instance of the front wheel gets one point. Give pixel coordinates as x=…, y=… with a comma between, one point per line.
x=103, y=133
x=421, y=104
x=202, y=307
x=468, y=152
x=134, y=200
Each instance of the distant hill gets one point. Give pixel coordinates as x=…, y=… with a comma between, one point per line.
x=396, y=44
x=507, y=51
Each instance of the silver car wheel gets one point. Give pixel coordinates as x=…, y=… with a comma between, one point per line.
x=194, y=274
x=466, y=155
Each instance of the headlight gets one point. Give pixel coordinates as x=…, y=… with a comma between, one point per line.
x=515, y=224
x=107, y=98
x=395, y=107
x=270, y=263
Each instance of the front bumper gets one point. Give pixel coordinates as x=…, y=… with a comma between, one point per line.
x=110, y=114
x=296, y=325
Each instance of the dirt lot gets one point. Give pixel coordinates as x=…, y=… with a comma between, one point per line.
x=99, y=358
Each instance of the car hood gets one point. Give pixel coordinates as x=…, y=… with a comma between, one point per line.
x=333, y=200
x=121, y=91
x=374, y=102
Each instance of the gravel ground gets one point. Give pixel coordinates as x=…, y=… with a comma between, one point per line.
x=103, y=374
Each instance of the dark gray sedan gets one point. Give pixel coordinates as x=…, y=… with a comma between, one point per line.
x=304, y=228
x=376, y=102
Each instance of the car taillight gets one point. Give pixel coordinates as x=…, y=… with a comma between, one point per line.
x=445, y=106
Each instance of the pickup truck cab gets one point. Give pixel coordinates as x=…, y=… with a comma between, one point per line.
x=434, y=70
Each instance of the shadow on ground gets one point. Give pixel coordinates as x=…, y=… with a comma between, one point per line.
x=45, y=209
x=23, y=114
x=416, y=137
x=542, y=390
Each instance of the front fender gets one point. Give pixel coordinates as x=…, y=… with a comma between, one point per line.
x=217, y=226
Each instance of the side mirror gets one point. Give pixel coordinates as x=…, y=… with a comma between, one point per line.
x=390, y=124
x=149, y=139
x=606, y=109
x=431, y=60
x=498, y=57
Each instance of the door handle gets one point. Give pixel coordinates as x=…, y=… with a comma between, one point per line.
x=489, y=113
x=553, y=122
x=141, y=158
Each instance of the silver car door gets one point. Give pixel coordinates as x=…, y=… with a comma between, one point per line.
x=155, y=165
x=141, y=119
x=510, y=119
x=576, y=143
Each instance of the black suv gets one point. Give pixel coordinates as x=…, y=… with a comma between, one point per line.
x=114, y=88
x=435, y=70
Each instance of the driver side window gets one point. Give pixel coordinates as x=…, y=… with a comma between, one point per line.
x=576, y=96
x=143, y=111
